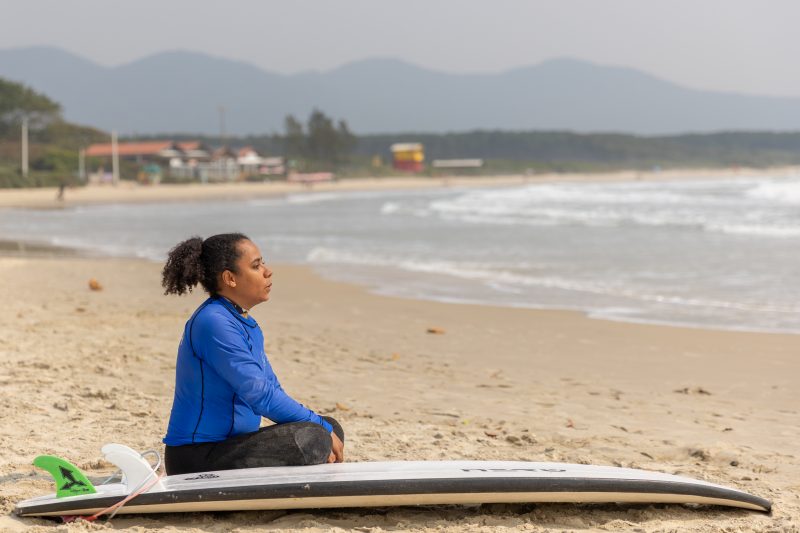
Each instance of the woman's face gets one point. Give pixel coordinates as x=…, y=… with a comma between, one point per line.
x=253, y=279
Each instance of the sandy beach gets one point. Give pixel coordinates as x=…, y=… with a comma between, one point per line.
x=129, y=192
x=79, y=368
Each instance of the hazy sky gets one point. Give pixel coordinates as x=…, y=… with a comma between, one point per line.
x=749, y=46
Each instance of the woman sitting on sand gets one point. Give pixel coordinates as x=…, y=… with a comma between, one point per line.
x=224, y=383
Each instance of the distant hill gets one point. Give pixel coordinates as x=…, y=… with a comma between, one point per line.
x=180, y=92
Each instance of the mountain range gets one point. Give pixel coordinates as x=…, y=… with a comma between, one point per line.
x=182, y=91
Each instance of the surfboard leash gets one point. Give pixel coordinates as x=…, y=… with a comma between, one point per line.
x=144, y=486
x=117, y=506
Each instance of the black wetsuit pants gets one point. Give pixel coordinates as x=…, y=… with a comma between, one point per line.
x=292, y=444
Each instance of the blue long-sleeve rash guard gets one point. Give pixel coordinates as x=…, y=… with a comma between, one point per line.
x=224, y=383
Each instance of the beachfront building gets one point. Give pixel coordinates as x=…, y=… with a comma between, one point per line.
x=149, y=158
x=153, y=151
x=444, y=167
x=408, y=157
x=227, y=164
x=252, y=164
x=184, y=161
x=248, y=160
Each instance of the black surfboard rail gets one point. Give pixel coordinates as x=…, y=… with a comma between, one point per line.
x=326, y=494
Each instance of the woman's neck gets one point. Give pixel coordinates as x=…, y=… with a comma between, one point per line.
x=239, y=309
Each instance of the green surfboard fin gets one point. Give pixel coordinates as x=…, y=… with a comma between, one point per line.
x=70, y=481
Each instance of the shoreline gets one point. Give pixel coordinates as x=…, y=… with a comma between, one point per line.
x=30, y=249
x=23, y=248
x=129, y=192
x=495, y=383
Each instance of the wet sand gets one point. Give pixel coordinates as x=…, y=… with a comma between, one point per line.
x=79, y=368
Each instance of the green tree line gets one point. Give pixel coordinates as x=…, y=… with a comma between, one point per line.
x=53, y=142
x=320, y=144
x=556, y=150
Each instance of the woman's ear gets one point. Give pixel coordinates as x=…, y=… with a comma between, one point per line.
x=228, y=278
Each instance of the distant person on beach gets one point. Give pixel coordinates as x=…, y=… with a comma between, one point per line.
x=224, y=383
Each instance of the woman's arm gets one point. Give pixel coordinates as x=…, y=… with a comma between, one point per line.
x=221, y=344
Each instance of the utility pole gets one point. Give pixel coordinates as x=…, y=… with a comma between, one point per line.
x=114, y=159
x=223, y=161
x=82, y=165
x=24, y=147
x=222, y=140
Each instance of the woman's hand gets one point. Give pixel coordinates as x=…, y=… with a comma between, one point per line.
x=337, y=449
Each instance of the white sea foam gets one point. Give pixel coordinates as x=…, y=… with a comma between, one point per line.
x=319, y=197
x=313, y=198
x=400, y=208
x=628, y=194
x=641, y=316
x=389, y=208
x=488, y=273
x=757, y=230
x=741, y=207
x=112, y=249
x=781, y=192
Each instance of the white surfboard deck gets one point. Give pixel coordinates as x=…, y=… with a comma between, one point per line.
x=393, y=483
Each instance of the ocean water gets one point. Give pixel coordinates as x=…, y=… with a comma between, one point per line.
x=707, y=253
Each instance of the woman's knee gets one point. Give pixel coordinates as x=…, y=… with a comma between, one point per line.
x=314, y=443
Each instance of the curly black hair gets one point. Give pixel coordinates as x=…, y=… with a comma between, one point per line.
x=200, y=261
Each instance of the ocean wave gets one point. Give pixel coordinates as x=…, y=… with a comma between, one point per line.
x=389, y=208
x=466, y=270
x=501, y=201
x=759, y=224
x=739, y=207
x=780, y=192
x=491, y=276
x=757, y=230
x=110, y=249
x=313, y=198
x=399, y=208
x=320, y=197
x=639, y=316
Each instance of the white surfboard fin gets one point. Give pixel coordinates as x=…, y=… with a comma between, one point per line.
x=135, y=469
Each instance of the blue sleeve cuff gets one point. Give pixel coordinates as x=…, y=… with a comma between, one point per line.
x=324, y=423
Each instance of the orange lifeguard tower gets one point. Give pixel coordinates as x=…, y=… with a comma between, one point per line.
x=408, y=157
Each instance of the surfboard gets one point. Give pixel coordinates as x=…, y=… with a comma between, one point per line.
x=370, y=484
